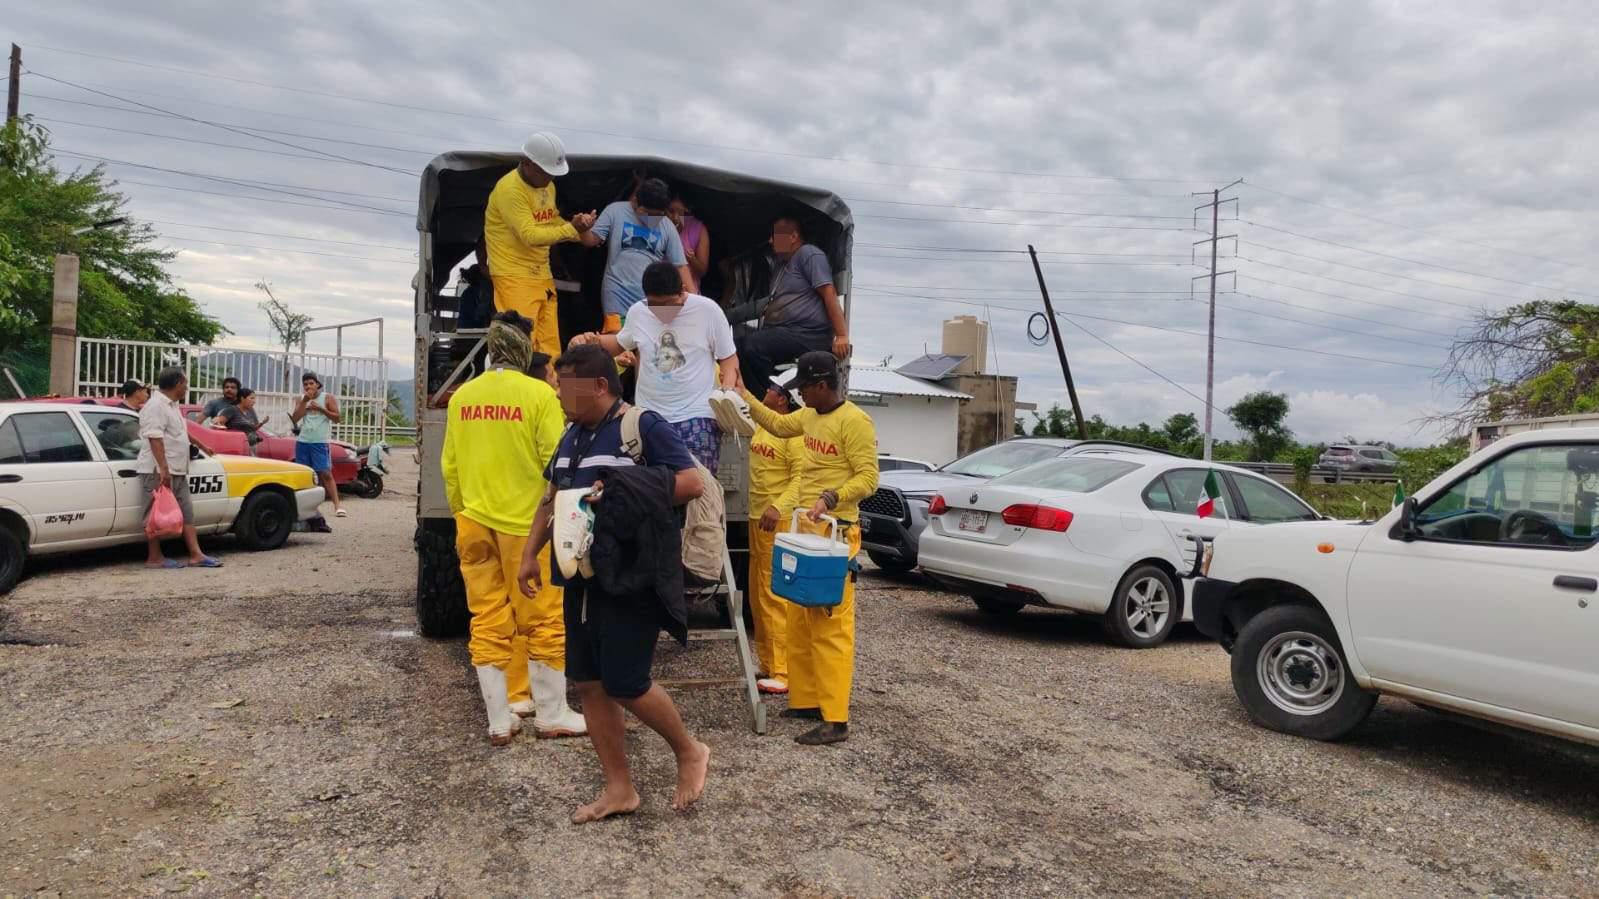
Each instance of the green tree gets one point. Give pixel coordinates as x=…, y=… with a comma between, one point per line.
x=1527, y=361
x=1261, y=416
x=124, y=290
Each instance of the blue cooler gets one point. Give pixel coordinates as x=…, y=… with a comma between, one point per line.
x=809, y=569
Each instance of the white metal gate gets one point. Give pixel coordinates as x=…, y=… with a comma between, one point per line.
x=361, y=383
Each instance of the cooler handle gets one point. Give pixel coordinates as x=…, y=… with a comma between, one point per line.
x=793, y=524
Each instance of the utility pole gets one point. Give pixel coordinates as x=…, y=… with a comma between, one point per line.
x=1210, y=352
x=14, y=86
x=1060, y=347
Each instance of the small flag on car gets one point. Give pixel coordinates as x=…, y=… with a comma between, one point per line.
x=1207, y=499
x=1399, y=492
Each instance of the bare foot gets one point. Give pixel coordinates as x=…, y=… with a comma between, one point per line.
x=691, y=774
x=607, y=805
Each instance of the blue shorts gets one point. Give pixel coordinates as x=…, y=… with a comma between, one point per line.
x=703, y=439
x=315, y=456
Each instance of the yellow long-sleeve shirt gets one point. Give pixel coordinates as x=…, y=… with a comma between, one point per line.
x=775, y=464
x=520, y=226
x=502, y=429
x=840, y=452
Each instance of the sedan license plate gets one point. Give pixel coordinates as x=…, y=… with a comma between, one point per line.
x=976, y=522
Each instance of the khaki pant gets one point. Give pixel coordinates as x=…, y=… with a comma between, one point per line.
x=771, y=611
x=535, y=299
x=821, y=643
x=507, y=627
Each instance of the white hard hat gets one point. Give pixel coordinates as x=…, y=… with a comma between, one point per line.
x=545, y=151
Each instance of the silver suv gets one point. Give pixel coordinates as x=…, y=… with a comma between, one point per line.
x=1354, y=457
x=892, y=519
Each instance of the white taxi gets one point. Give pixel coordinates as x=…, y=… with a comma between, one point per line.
x=67, y=482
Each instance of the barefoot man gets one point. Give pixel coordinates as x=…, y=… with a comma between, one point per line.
x=610, y=639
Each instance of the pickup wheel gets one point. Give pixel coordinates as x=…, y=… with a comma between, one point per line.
x=891, y=564
x=1144, y=608
x=12, y=555
x=441, y=610
x=265, y=521
x=1291, y=675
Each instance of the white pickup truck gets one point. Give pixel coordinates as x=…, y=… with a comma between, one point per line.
x=1479, y=595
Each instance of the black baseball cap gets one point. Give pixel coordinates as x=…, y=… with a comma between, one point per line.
x=130, y=387
x=817, y=365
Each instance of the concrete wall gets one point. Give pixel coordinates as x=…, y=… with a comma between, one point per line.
x=989, y=416
x=917, y=427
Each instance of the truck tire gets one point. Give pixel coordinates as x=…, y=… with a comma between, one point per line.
x=265, y=521
x=1292, y=676
x=441, y=611
x=12, y=556
x=1144, y=608
x=890, y=564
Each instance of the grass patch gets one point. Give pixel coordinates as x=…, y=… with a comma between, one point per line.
x=1344, y=500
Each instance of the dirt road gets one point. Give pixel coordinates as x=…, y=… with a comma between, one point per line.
x=276, y=728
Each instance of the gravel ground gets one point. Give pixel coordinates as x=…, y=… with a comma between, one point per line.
x=277, y=729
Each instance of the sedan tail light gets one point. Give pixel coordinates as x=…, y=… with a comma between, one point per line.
x=1045, y=518
x=937, y=506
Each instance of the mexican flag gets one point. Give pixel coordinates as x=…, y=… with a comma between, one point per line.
x=1207, y=499
x=1399, y=492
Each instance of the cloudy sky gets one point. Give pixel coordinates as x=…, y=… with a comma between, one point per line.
x=1405, y=165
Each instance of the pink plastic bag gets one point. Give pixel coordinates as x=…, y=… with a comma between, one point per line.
x=166, y=516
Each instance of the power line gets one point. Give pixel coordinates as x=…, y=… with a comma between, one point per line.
x=1399, y=293
x=1378, y=271
x=1371, y=321
x=1045, y=262
x=235, y=182
x=1029, y=291
x=1428, y=232
x=195, y=140
x=1436, y=265
x=1000, y=250
x=1408, y=341
x=903, y=218
x=1118, y=215
x=287, y=250
x=229, y=128
x=644, y=138
x=219, y=193
x=1129, y=357
x=1339, y=296
x=350, y=243
x=1275, y=346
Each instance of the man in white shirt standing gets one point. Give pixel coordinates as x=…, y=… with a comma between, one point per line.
x=164, y=462
x=685, y=350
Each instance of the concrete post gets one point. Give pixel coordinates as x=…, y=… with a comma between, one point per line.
x=64, y=327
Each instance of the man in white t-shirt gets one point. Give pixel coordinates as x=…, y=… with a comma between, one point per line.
x=685, y=351
x=164, y=462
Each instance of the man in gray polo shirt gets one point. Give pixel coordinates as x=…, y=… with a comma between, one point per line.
x=804, y=313
x=164, y=462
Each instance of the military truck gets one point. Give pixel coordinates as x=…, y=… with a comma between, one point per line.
x=738, y=211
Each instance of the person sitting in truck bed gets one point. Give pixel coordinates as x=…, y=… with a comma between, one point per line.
x=804, y=312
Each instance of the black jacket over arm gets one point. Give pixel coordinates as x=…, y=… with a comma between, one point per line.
x=637, y=547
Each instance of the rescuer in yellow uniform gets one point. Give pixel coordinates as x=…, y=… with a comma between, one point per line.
x=502, y=429
x=774, y=492
x=519, y=226
x=839, y=470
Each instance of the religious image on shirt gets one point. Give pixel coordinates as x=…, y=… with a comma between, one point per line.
x=642, y=238
x=668, y=357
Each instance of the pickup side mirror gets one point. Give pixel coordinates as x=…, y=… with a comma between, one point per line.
x=1406, y=529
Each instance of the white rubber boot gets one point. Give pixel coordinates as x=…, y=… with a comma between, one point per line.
x=524, y=708
x=555, y=718
x=503, y=725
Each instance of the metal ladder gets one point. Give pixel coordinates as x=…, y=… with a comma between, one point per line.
x=727, y=590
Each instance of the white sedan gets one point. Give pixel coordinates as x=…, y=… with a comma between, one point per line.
x=68, y=482
x=1110, y=534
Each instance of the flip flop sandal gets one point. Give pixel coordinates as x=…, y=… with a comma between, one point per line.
x=208, y=562
x=166, y=565
x=340, y=513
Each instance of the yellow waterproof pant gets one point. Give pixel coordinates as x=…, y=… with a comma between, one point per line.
x=821, y=643
x=507, y=627
x=771, y=611
x=534, y=298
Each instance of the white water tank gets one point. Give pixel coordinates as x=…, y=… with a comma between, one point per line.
x=966, y=335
